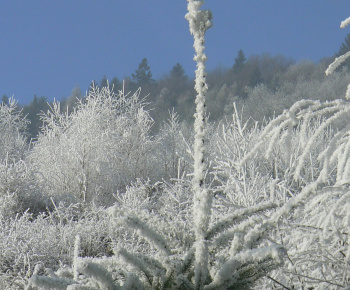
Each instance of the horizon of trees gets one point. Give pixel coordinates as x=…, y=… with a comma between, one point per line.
x=174, y=91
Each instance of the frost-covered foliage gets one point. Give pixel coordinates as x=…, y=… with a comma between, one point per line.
x=315, y=180
x=156, y=248
x=298, y=83
x=173, y=152
x=99, y=148
x=237, y=185
x=13, y=126
x=48, y=239
x=18, y=189
x=200, y=21
x=316, y=234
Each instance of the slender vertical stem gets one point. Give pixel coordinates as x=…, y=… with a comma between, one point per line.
x=200, y=22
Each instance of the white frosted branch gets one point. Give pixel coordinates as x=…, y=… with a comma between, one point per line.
x=98, y=272
x=337, y=62
x=132, y=282
x=239, y=215
x=226, y=237
x=226, y=277
x=320, y=130
x=272, y=131
x=326, y=155
x=76, y=256
x=187, y=261
x=149, y=234
x=259, y=230
x=44, y=282
x=137, y=263
x=347, y=94
x=345, y=23
x=79, y=287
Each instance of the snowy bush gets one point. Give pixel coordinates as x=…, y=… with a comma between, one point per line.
x=172, y=150
x=18, y=189
x=48, y=240
x=163, y=257
x=316, y=234
x=13, y=126
x=99, y=148
x=238, y=185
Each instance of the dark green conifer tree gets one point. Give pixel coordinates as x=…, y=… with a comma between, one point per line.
x=344, y=48
x=143, y=75
x=239, y=61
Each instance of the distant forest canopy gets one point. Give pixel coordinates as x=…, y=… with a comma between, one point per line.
x=261, y=86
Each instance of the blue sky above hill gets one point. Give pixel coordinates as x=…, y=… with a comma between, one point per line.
x=49, y=47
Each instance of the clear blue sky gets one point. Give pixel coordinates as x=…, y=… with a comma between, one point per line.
x=47, y=47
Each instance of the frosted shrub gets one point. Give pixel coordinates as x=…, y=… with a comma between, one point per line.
x=260, y=179
x=99, y=148
x=18, y=189
x=172, y=151
x=317, y=242
x=316, y=233
x=48, y=240
x=157, y=244
x=235, y=184
x=13, y=127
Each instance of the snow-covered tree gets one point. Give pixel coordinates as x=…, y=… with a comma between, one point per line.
x=13, y=125
x=18, y=190
x=96, y=150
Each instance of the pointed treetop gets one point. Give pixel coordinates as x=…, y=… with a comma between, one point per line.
x=4, y=100
x=345, y=46
x=143, y=75
x=239, y=61
x=178, y=72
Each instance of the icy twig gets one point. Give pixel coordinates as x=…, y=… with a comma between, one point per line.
x=345, y=23
x=149, y=234
x=336, y=63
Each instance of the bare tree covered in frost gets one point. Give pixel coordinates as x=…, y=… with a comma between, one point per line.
x=99, y=148
x=13, y=127
x=17, y=183
x=172, y=151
